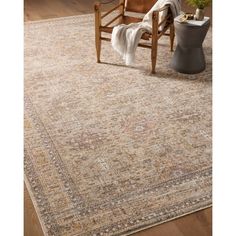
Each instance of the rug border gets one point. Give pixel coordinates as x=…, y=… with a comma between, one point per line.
x=59, y=18
x=166, y=221
x=123, y=234
x=55, y=19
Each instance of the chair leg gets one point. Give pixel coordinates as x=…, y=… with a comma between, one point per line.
x=97, y=30
x=98, y=46
x=155, y=20
x=154, y=52
x=154, y=58
x=172, y=37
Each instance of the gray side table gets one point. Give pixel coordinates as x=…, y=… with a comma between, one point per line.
x=189, y=57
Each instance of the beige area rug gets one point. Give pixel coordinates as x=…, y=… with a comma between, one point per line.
x=109, y=149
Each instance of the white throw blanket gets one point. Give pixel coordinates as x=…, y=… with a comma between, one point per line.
x=125, y=38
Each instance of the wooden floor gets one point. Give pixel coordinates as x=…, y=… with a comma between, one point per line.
x=45, y=9
x=196, y=224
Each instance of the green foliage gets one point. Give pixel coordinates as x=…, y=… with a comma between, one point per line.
x=199, y=3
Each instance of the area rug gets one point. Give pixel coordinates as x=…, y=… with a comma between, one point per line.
x=110, y=149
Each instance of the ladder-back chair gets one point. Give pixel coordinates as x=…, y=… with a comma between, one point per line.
x=135, y=6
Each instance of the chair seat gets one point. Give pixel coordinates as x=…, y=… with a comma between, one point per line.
x=127, y=20
x=105, y=29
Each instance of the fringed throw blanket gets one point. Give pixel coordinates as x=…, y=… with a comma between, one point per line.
x=125, y=38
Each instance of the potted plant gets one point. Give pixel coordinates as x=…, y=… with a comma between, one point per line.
x=200, y=4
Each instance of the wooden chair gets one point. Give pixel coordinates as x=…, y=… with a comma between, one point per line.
x=135, y=6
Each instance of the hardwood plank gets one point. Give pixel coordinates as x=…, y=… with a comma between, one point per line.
x=45, y=9
x=32, y=226
x=195, y=224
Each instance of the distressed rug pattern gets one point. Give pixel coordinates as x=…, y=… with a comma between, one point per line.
x=110, y=149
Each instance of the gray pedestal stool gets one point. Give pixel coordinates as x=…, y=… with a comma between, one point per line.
x=189, y=57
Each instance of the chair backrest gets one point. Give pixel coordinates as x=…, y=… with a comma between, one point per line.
x=139, y=6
